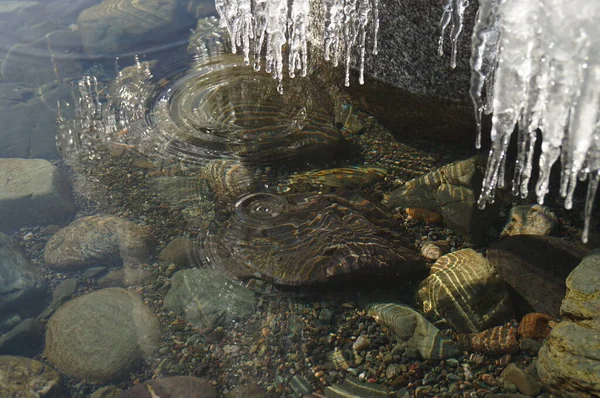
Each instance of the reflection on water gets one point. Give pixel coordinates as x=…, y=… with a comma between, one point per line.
x=201, y=234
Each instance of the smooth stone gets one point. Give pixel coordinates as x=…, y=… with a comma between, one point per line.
x=172, y=387
x=24, y=377
x=63, y=292
x=95, y=240
x=34, y=192
x=524, y=382
x=23, y=288
x=25, y=339
x=180, y=251
x=535, y=267
x=208, y=299
x=102, y=336
x=93, y=273
x=529, y=220
x=128, y=276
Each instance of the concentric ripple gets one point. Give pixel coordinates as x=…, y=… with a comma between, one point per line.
x=216, y=109
x=307, y=238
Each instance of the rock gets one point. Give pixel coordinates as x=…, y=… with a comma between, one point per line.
x=98, y=240
x=34, y=192
x=496, y=341
x=207, y=298
x=107, y=392
x=180, y=251
x=530, y=346
x=94, y=273
x=352, y=387
x=32, y=112
x=431, y=251
x=61, y=294
x=524, y=382
x=102, y=336
x=450, y=191
x=172, y=387
x=465, y=289
x=536, y=268
x=361, y=343
x=529, y=220
x=229, y=178
x=249, y=391
x=535, y=326
x=24, y=377
x=582, y=300
x=115, y=27
x=25, y=339
x=408, y=325
x=126, y=277
x=22, y=286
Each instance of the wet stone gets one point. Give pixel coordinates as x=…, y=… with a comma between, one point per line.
x=172, y=387
x=180, y=251
x=535, y=326
x=85, y=337
x=524, y=382
x=107, y=392
x=25, y=339
x=530, y=220
x=496, y=341
x=27, y=377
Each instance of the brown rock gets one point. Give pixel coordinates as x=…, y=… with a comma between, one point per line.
x=496, y=341
x=427, y=216
x=24, y=377
x=180, y=251
x=172, y=387
x=524, y=382
x=535, y=326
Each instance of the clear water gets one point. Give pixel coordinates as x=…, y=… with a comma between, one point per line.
x=168, y=211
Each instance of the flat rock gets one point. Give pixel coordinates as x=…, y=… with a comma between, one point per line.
x=102, y=336
x=207, y=298
x=465, y=290
x=536, y=267
x=172, y=387
x=33, y=192
x=22, y=286
x=582, y=300
x=98, y=240
x=24, y=377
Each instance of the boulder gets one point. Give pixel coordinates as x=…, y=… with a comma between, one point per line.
x=98, y=240
x=24, y=377
x=102, y=336
x=34, y=192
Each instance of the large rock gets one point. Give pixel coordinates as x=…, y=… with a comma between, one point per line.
x=465, y=290
x=34, y=192
x=115, y=27
x=22, y=286
x=207, y=298
x=98, y=240
x=535, y=267
x=102, y=336
x=569, y=361
x=24, y=377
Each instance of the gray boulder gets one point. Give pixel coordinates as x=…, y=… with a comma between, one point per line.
x=34, y=192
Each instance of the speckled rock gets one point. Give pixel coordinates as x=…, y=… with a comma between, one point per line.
x=529, y=220
x=24, y=377
x=450, y=191
x=207, y=298
x=98, y=240
x=465, y=289
x=33, y=192
x=22, y=285
x=102, y=336
x=408, y=325
x=536, y=268
x=172, y=387
x=496, y=341
x=535, y=326
x=180, y=251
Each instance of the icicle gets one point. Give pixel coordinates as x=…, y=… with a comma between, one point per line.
x=454, y=11
x=333, y=30
x=277, y=11
x=298, y=31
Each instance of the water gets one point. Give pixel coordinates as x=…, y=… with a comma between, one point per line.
x=169, y=213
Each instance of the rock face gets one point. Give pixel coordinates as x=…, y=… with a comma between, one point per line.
x=24, y=377
x=115, y=27
x=535, y=267
x=465, y=289
x=102, y=336
x=569, y=361
x=207, y=298
x=406, y=324
x=172, y=387
x=451, y=191
x=22, y=286
x=34, y=192
x=98, y=240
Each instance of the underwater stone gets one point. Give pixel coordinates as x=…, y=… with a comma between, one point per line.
x=582, y=300
x=306, y=238
x=28, y=378
x=535, y=325
x=529, y=220
x=465, y=290
x=172, y=387
x=229, y=179
x=496, y=341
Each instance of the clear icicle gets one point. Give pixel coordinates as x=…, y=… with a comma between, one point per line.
x=454, y=11
x=298, y=28
x=539, y=66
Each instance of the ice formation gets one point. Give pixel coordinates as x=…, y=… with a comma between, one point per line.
x=538, y=63
x=275, y=23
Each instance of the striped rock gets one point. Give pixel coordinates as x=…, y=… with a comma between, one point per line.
x=464, y=289
x=406, y=324
x=535, y=326
x=307, y=238
x=496, y=341
x=352, y=387
x=229, y=179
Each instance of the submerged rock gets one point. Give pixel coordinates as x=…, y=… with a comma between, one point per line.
x=497, y=340
x=529, y=220
x=24, y=377
x=307, y=238
x=172, y=387
x=98, y=240
x=465, y=290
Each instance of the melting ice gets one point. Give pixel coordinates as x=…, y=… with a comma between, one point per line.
x=253, y=24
